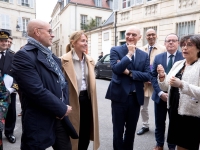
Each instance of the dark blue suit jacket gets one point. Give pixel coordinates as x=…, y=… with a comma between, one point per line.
x=160, y=59
x=121, y=84
x=42, y=97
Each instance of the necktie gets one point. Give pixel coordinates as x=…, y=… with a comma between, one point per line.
x=2, y=60
x=170, y=62
x=150, y=49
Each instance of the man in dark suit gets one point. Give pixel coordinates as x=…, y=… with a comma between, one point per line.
x=131, y=69
x=166, y=59
x=100, y=56
x=45, y=91
x=5, y=66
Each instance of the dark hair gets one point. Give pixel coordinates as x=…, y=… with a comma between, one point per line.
x=195, y=39
x=171, y=34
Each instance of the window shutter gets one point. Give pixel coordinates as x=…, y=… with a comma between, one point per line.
x=31, y=3
x=19, y=2
x=115, y=5
x=132, y=2
x=10, y=1
x=20, y=23
x=3, y=22
x=7, y=18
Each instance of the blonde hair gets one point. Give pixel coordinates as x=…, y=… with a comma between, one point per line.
x=74, y=37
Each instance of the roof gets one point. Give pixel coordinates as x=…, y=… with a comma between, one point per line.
x=109, y=20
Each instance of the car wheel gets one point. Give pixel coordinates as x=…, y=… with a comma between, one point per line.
x=96, y=73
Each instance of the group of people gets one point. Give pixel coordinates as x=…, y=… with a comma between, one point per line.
x=164, y=74
x=59, y=99
x=58, y=95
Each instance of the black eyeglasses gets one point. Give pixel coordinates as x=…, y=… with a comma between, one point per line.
x=173, y=41
x=188, y=45
x=50, y=30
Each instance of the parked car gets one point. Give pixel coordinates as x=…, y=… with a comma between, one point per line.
x=102, y=68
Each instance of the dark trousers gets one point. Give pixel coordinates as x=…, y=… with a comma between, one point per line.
x=85, y=121
x=125, y=115
x=62, y=138
x=11, y=116
x=160, y=110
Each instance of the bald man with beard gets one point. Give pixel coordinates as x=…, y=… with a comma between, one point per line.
x=45, y=91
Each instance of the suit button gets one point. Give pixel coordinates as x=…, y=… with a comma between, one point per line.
x=57, y=81
x=61, y=98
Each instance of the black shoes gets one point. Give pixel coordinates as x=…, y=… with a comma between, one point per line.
x=142, y=131
x=11, y=138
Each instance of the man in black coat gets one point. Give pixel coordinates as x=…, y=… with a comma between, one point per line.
x=45, y=91
x=5, y=67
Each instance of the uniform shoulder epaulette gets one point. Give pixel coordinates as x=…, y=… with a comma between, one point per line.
x=11, y=51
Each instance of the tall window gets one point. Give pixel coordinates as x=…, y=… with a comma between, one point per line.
x=25, y=23
x=98, y=21
x=110, y=3
x=98, y=3
x=144, y=33
x=126, y=3
x=4, y=0
x=122, y=35
x=83, y=21
x=185, y=28
x=5, y=21
x=25, y=3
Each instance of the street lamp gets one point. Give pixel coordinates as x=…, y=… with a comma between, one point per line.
x=17, y=27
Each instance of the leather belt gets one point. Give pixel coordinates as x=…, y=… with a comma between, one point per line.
x=83, y=93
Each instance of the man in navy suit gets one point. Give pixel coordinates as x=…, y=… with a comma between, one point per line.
x=160, y=97
x=131, y=69
x=44, y=90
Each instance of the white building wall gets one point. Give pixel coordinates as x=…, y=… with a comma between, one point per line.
x=14, y=11
x=94, y=46
x=106, y=44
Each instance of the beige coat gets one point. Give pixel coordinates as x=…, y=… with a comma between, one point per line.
x=68, y=68
x=148, y=89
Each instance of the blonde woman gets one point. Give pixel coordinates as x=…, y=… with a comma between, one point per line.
x=78, y=68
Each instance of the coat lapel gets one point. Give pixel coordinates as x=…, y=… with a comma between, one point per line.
x=164, y=59
x=68, y=66
x=42, y=58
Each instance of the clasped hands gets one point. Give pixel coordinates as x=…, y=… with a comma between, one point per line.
x=175, y=82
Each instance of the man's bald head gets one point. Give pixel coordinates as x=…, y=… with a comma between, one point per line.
x=35, y=23
x=151, y=36
x=40, y=31
x=133, y=28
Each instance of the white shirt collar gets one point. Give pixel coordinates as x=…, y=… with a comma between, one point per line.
x=168, y=54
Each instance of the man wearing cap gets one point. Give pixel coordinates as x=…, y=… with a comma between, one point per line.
x=6, y=56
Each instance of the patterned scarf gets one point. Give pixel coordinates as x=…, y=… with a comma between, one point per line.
x=49, y=59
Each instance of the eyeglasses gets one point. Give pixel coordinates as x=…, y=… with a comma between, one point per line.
x=149, y=35
x=50, y=30
x=188, y=45
x=173, y=41
x=133, y=34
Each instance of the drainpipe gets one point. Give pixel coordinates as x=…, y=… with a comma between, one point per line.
x=75, y=17
x=115, y=27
